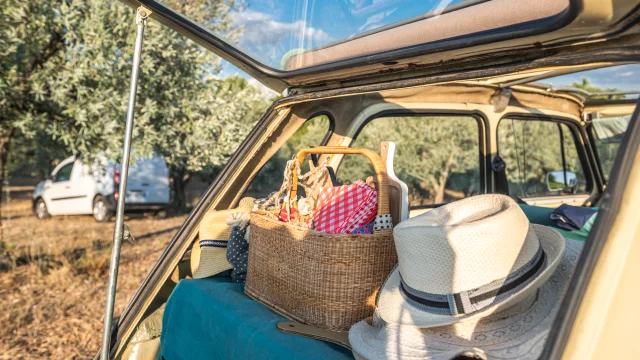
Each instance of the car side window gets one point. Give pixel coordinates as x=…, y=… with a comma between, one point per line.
x=541, y=158
x=64, y=174
x=607, y=134
x=269, y=178
x=436, y=156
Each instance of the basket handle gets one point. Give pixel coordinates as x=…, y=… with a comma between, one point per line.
x=374, y=158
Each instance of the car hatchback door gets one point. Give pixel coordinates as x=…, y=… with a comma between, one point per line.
x=304, y=44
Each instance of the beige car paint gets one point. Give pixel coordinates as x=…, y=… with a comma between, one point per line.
x=288, y=118
x=608, y=322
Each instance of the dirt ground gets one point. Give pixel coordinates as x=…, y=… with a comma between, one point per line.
x=53, y=276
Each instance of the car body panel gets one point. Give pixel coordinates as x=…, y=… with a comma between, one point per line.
x=350, y=112
x=70, y=197
x=148, y=186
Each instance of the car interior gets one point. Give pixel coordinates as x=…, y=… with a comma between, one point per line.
x=534, y=130
x=465, y=92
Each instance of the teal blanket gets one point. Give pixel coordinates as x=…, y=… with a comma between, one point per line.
x=214, y=319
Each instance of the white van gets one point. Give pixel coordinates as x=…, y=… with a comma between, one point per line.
x=75, y=188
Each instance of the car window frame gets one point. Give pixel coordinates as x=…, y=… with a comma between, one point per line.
x=325, y=139
x=592, y=139
x=563, y=324
x=484, y=162
x=580, y=139
x=55, y=176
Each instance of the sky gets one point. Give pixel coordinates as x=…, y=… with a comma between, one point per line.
x=273, y=28
x=623, y=77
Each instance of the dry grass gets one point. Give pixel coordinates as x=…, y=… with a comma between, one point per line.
x=53, y=277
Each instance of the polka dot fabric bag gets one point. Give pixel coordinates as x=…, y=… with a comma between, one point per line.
x=237, y=253
x=317, y=278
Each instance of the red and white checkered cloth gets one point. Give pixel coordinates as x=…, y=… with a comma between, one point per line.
x=342, y=209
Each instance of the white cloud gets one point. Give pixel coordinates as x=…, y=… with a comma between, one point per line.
x=267, y=39
x=261, y=29
x=265, y=91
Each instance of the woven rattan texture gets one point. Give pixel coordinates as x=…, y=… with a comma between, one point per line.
x=325, y=280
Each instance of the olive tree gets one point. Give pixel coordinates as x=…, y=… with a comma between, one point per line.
x=65, y=74
x=429, y=150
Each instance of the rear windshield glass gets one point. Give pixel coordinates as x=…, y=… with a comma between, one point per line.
x=294, y=34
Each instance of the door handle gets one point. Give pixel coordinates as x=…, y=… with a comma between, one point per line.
x=67, y=187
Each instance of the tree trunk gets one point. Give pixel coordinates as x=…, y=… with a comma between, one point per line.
x=439, y=198
x=179, y=180
x=442, y=181
x=5, y=142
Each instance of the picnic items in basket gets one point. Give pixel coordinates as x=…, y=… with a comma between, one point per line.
x=343, y=209
x=238, y=246
x=366, y=229
x=324, y=280
x=283, y=205
x=472, y=276
x=209, y=255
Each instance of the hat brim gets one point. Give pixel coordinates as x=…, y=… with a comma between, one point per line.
x=395, y=309
x=209, y=261
x=212, y=262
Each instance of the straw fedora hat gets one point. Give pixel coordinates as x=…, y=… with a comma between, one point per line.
x=518, y=332
x=465, y=260
x=209, y=255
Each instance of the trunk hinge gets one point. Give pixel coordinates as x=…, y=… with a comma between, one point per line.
x=500, y=99
x=142, y=15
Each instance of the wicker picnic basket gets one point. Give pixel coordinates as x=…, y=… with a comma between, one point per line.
x=324, y=280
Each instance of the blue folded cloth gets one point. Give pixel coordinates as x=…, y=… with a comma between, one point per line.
x=573, y=217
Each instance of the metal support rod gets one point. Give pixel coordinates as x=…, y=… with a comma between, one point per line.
x=118, y=233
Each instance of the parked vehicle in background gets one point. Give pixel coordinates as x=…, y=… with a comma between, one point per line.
x=76, y=188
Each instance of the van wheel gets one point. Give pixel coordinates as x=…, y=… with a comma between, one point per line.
x=101, y=212
x=41, y=210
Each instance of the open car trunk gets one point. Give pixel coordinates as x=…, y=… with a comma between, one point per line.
x=349, y=116
x=478, y=72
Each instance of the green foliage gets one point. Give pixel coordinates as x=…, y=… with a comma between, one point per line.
x=35, y=156
x=66, y=69
x=531, y=148
x=586, y=84
x=436, y=156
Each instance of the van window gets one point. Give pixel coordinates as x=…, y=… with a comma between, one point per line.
x=436, y=156
x=269, y=178
x=64, y=174
x=533, y=152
